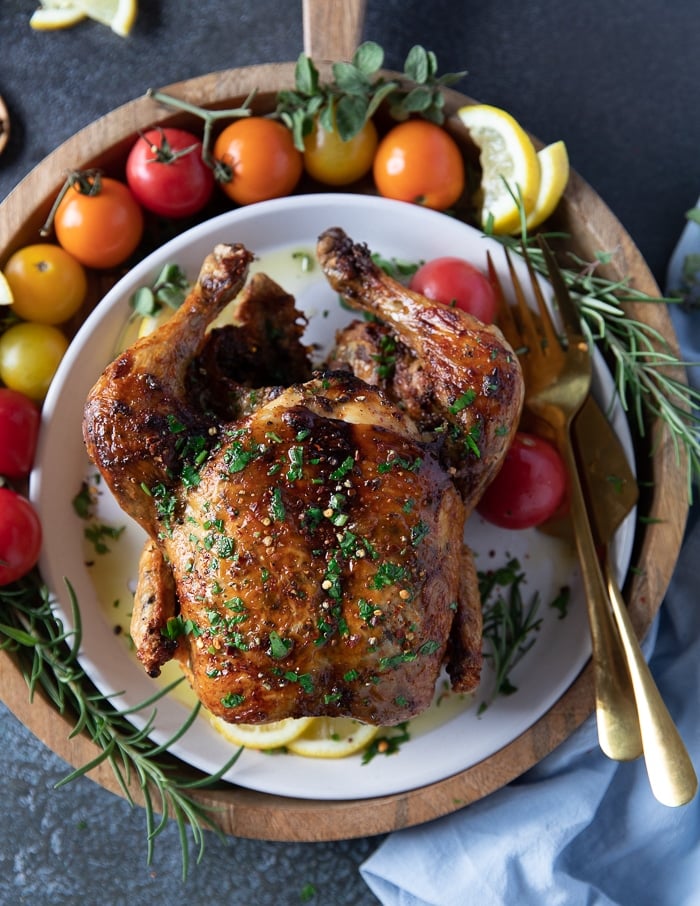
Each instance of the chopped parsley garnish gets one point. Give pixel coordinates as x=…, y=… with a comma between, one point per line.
x=232, y=700
x=279, y=647
x=343, y=469
x=98, y=534
x=277, y=508
x=387, y=744
x=466, y=399
x=388, y=573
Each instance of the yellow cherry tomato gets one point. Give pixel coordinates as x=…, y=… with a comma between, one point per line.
x=48, y=285
x=335, y=162
x=29, y=356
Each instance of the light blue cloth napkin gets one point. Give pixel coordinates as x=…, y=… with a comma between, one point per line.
x=578, y=828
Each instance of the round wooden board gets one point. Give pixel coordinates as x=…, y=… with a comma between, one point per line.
x=255, y=815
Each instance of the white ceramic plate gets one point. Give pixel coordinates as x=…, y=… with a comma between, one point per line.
x=451, y=736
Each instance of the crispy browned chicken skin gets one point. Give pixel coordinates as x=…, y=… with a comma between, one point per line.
x=305, y=553
x=455, y=376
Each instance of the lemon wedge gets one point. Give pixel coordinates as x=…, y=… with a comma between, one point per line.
x=509, y=163
x=6, y=297
x=119, y=15
x=332, y=737
x=262, y=736
x=48, y=18
x=554, y=175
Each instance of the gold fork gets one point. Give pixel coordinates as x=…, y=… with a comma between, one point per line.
x=557, y=382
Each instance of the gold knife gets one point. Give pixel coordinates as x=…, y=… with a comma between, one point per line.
x=611, y=492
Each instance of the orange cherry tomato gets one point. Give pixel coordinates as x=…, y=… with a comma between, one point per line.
x=102, y=229
x=419, y=162
x=261, y=156
x=48, y=285
x=330, y=160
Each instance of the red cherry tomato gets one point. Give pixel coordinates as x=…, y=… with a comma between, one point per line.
x=167, y=175
x=455, y=281
x=19, y=429
x=101, y=229
x=20, y=536
x=530, y=486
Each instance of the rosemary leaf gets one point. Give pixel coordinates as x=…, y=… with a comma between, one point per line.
x=48, y=655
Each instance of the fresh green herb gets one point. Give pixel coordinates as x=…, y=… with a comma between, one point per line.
x=48, y=657
x=307, y=893
x=177, y=627
x=343, y=469
x=386, y=357
x=83, y=502
x=277, y=508
x=232, y=699
x=96, y=533
x=305, y=680
x=168, y=289
x=648, y=372
x=358, y=89
x=391, y=662
x=279, y=647
x=400, y=462
x=388, y=573
x=396, y=268
x=296, y=463
x=509, y=626
x=562, y=601
x=419, y=532
x=466, y=399
x=387, y=743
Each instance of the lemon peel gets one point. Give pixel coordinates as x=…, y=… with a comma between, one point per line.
x=332, y=737
x=6, y=297
x=509, y=164
x=119, y=15
x=51, y=17
x=262, y=736
x=554, y=176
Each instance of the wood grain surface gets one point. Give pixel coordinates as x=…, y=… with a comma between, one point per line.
x=592, y=227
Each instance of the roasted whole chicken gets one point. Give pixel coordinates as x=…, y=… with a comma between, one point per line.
x=305, y=552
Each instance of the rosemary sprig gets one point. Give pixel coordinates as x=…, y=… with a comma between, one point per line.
x=645, y=365
x=48, y=655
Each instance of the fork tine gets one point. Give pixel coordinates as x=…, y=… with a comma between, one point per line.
x=567, y=309
x=531, y=332
x=547, y=327
x=506, y=321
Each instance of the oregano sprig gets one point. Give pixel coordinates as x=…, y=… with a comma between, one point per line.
x=357, y=90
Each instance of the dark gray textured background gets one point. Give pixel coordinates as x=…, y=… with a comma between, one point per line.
x=618, y=82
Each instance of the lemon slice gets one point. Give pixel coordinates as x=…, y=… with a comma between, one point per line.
x=262, y=736
x=49, y=18
x=120, y=15
x=554, y=175
x=149, y=323
x=332, y=737
x=509, y=163
x=6, y=297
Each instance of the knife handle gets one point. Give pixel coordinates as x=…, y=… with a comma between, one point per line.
x=672, y=777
